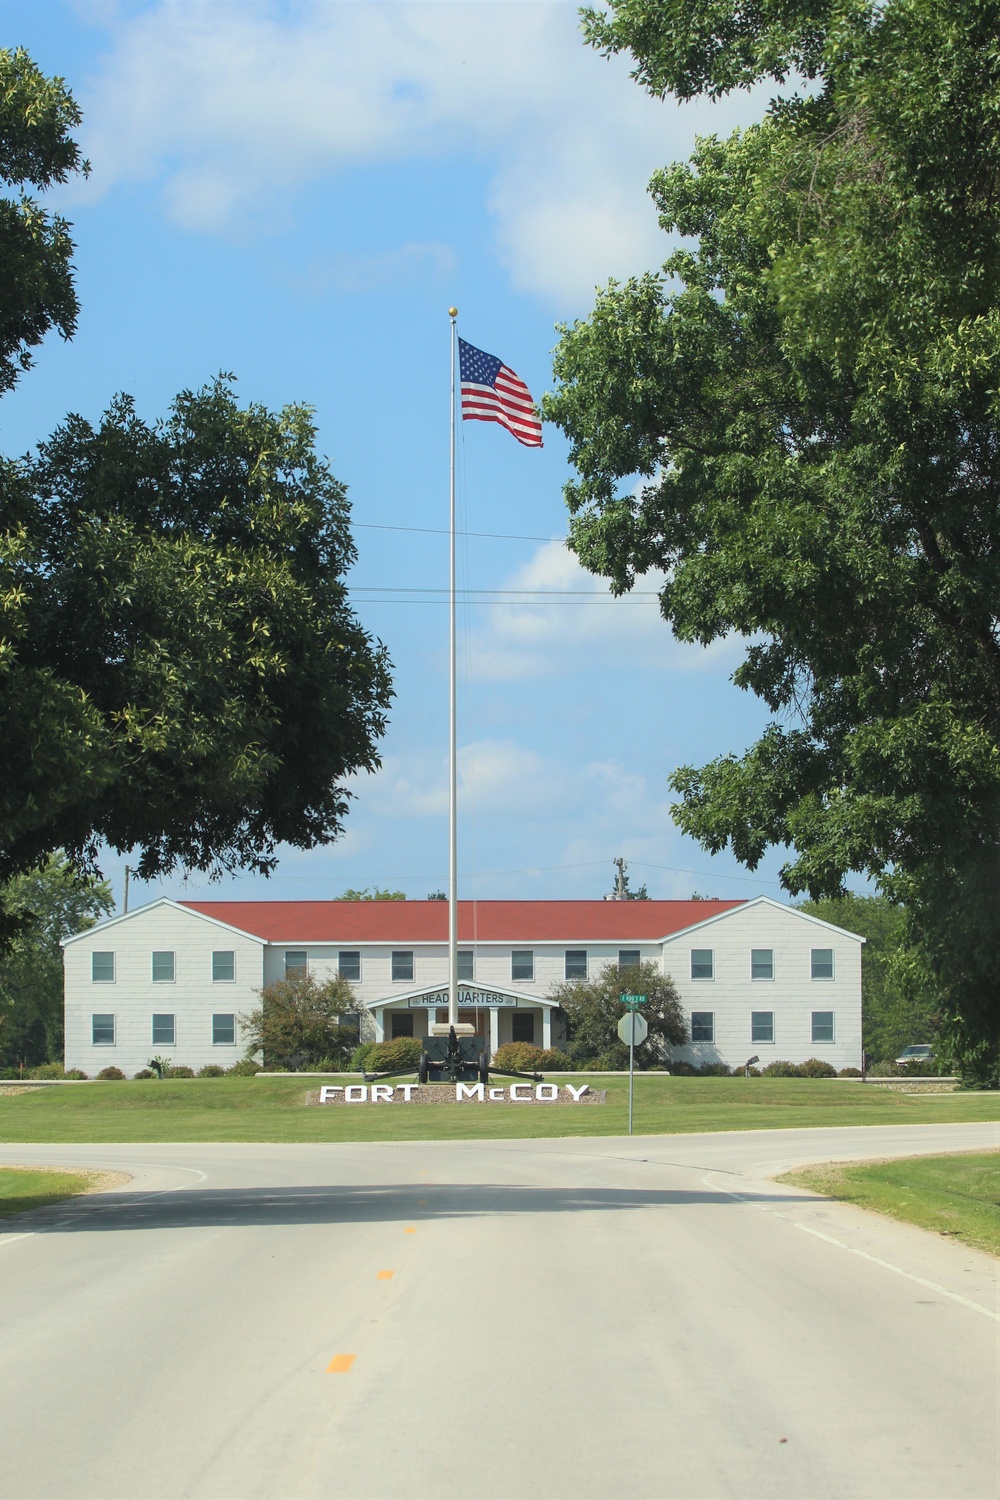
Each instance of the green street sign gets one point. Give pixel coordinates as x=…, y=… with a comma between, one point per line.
x=633, y=1000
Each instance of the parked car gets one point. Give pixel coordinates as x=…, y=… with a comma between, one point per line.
x=921, y=1053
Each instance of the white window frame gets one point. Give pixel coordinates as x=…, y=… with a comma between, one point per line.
x=826, y=1041
x=215, y=1015
x=230, y=952
x=154, y=1042
x=353, y=953
x=302, y=968
x=576, y=953
x=103, y=953
x=402, y=953
x=703, y=1040
x=762, y=1041
x=523, y=953
x=531, y=1016
x=629, y=952
x=470, y=954
x=702, y=978
x=114, y=1029
x=162, y=953
x=761, y=978
x=822, y=978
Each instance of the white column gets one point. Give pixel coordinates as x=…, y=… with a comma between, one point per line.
x=494, y=1029
x=380, y=1023
x=431, y=1019
x=546, y=1026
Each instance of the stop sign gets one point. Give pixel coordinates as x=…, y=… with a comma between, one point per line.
x=633, y=1028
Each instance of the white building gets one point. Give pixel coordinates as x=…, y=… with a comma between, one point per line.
x=172, y=978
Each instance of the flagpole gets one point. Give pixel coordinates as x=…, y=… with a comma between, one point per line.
x=452, y=725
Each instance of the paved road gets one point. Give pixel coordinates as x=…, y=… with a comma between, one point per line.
x=562, y=1318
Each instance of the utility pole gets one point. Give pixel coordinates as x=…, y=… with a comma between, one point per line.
x=125, y=900
x=621, y=880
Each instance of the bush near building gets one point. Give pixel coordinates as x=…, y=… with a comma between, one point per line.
x=593, y=1008
x=525, y=1057
x=298, y=1025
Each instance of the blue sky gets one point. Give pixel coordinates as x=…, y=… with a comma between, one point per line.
x=296, y=193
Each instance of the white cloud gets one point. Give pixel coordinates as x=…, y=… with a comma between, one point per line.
x=585, y=626
x=234, y=107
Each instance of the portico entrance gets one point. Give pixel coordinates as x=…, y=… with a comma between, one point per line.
x=415, y=1013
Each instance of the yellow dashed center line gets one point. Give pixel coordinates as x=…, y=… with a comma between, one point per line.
x=340, y=1364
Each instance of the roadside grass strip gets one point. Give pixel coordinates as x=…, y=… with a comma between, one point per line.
x=22, y=1188
x=275, y=1110
x=958, y=1196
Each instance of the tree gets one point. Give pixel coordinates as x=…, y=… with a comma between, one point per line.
x=375, y=893
x=900, y=1004
x=180, y=670
x=808, y=394
x=49, y=905
x=593, y=1009
x=300, y=1022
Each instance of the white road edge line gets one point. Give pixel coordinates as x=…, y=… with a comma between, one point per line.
x=11, y=1239
x=875, y=1260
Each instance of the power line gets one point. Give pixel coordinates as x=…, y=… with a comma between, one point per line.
x=495, y=536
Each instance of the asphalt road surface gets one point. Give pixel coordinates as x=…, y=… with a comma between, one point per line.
x=521, y=1318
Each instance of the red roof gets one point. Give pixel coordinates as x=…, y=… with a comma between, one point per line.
x=478, y=921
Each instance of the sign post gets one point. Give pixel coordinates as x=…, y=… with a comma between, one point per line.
x=632, y=1028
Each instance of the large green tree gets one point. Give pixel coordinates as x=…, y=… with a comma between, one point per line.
x=181, y=673
x=48, y=904
x=593, y=1009
x=808, y=394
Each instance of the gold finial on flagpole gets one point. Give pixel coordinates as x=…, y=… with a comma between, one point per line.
x=453, y=312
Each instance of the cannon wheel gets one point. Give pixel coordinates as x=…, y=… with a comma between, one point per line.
x=423, y=1072
x=484, y=1067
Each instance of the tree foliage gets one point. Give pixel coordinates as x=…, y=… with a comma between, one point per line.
x=181, y=673
x=372, y=893
x=593, y=1009
x=48, y=905
x=809, y=395
x=900, y=1003
x=300, y=1023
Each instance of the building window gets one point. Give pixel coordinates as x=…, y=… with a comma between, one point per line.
x=349, y=964
x=296, y=963
x=522, y=964
x=223, y=966
x=402, y=963
x=576, y=963
x=102, y=968
x=761, y=963
x=163, y=1030
x=762, y=1025
x=465, y=966
x=628, y=958
x=102, y=1031
x=523, y=1026
x=402, y=1023
x=703, y=1026
x=822, y=1025
x=163, y=968
x=223, y=1030
x=702, y=963
x=822, y=963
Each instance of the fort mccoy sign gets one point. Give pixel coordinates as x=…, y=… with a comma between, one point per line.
x=459, y=1093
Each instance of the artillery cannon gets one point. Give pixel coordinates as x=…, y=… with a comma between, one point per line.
x=455, y=1059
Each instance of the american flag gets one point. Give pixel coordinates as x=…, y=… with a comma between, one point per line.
x=493, y=393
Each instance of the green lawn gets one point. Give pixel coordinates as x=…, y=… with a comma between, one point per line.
x=273, y=1109
x=23, y=1188
x=954, y=1195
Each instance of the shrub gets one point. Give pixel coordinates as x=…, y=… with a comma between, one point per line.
x=359, y=1057
x=144, y=1073
x=110, y=1074
x=401, y=1055
x=328, y=1065
x=883, y=1070
x=299, y=1022
x=681, y=1069
x=211, y=1070
x=781, y=1069
x=76, y=1073
x=179, y=1072
x=715, y=1070
x=525, y=1057
x=750, y=1072
x=245, y=1068
x=46, y=1070
x=815, y=1067
x=849, y=1073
